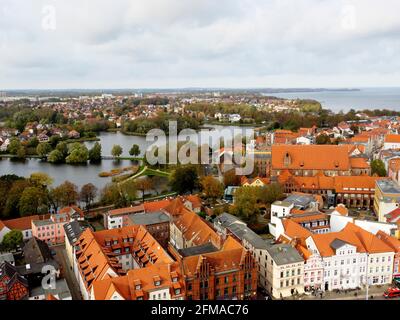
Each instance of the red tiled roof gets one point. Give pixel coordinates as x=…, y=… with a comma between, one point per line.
x=312, y=157
x=393, y=216
x=24, y=223
x=392, y=138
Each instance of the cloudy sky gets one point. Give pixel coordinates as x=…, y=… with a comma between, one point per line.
x=198, y=43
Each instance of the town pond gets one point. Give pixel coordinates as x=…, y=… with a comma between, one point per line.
x=82, y=174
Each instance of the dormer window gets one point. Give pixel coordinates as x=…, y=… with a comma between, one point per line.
x=336, y=164
x=157, y=281
x=175, y=279
x=138, y=285
x=287, y=160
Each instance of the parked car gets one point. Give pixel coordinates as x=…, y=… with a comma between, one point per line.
x=392, y=293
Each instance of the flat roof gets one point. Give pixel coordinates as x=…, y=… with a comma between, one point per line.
x=194, y=251
x=61, y=290
x=148, y=218
x=7, y=257
x=240, y=229
x=302, y=200
x=283, y=254
x=388, y=186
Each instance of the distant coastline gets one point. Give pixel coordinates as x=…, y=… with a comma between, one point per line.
x=78, y=92
x=308, y=90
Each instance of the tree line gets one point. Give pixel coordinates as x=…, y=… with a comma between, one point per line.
x=34, y=195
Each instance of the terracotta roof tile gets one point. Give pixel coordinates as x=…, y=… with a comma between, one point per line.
x=24, y=223
x=313, y=157
x=392, y=138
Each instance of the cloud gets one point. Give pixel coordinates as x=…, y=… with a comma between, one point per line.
x=180, y=43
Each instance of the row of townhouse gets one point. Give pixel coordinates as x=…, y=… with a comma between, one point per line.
x=129, y=264
x=48, y=228
x=280, y=267
x=351, y=254
x=195, y=264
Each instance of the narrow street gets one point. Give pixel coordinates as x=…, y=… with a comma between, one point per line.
x=67, y=272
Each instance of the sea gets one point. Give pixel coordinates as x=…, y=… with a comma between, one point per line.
x=337, y=100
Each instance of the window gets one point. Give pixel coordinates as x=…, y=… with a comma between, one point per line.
x=226, y=280
x=177, y=291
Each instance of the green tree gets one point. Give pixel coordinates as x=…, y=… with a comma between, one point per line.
x=95, y=153
x=11, y=208
x=270, y=193
x=54, y=140
x=6, y=183
x=112, y=194
x=184, y=179
x=128, y=190
x=41, y=179
x=14, y=146
x=323, y=139
x=78, y=154
x=33, y=201
x=21, y=153
x=33, y=142
x=246, y=204
x=12, y=240
x=378, y=168
x=135, y=150
x=63, y=148
x=116, y=151
x=55, y=157
x=43, y=149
